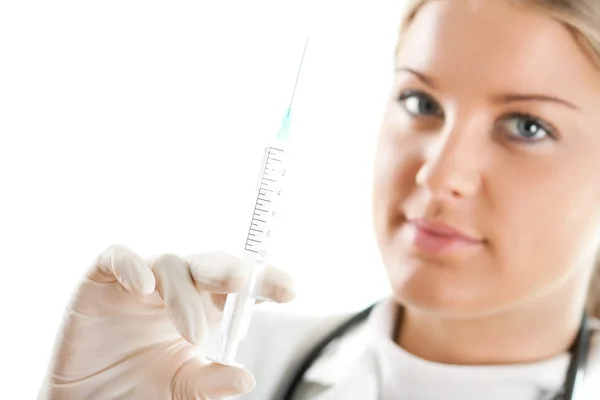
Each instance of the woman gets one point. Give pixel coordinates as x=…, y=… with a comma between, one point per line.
x=487, y=216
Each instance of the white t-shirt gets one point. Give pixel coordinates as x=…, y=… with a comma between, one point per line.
x=402, y=372
x=399, y=375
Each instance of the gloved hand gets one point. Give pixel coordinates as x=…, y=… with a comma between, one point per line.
x=134, y=329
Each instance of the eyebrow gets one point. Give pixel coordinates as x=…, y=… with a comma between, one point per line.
x=502, y=98
x=512, y=97
x=421, y=76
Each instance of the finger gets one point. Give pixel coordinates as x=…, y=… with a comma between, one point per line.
x=119, y=263
x=219, y=300
x=277, y=286
x=182, y=301
x=217, y=272
x=198, y=379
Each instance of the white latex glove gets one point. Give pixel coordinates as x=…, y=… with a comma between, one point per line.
x=134, y=329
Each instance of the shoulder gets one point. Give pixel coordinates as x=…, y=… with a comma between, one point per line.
x=290, y=333
x=276, y=342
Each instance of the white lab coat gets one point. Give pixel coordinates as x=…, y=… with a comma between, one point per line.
x=277, y=342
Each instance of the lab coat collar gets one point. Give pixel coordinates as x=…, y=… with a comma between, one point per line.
x=341, y=357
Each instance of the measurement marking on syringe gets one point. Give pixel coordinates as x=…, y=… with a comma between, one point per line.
x=253, y=223
x=267, y=184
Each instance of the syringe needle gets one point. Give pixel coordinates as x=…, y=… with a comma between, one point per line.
x=299, y=70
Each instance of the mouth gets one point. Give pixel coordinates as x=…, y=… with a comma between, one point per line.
x=439, y=238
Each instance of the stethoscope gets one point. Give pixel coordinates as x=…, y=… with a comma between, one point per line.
x=572, y=388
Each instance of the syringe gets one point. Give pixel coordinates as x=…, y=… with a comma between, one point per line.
x=238, y=307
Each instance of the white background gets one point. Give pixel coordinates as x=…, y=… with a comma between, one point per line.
x=143, y=123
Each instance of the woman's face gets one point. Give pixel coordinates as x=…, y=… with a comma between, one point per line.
x=487, y=179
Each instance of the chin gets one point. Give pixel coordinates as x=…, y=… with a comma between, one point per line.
x=438, y=289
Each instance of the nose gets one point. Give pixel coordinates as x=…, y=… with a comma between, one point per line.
x=451, y=166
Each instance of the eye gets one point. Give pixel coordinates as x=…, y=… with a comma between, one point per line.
x=420, y=104
x=526, y=128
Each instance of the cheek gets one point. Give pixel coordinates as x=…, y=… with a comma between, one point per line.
x=547, y=220
x=397, y=162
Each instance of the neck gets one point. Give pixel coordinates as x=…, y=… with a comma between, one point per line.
x=538, y=330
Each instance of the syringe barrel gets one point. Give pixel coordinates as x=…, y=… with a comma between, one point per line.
x=238, y=309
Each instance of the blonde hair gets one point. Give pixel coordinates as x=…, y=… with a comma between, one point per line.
x=582, y=19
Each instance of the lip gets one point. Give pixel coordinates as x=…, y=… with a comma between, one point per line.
x=437, y=237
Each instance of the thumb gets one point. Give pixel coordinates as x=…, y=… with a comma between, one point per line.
x=201, y=379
